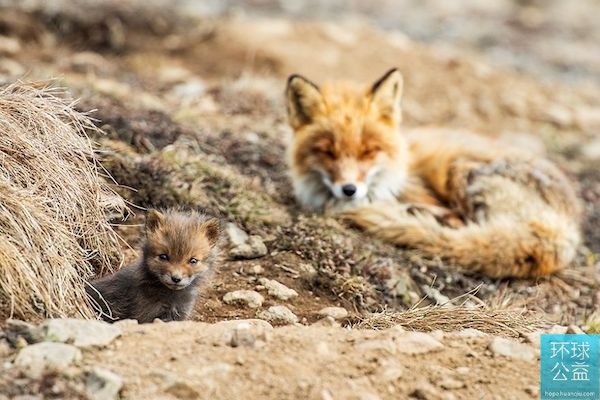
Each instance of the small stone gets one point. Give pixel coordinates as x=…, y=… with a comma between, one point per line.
x=235, y=234
x=16, y=329
x=181, y=390
x=277, y=290
x=253, y=248
x=574, y=329
x=79, y=332
x=509, y=348
x=249, y=298
x=102, y=384
x=558, y=330
x=463, y=370
x=257, y=269
x=242, y=336
x=334, y=312
x=307, y=271
x=37, y=358
x=249, y=333
x=417, y=343
x=451, y=384
x=533, y=338
x=533, y=391
x=278, y=314
x=426, y=391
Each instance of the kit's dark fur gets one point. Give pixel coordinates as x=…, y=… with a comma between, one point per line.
x=145, y=290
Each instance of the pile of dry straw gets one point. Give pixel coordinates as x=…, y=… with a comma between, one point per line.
x=54, y=206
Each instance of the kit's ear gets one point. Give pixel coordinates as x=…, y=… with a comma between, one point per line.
x=304, y=101
x=154, y=219
x=212, y=230
x=386, y=95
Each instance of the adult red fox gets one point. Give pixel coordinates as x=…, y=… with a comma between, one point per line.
x=472, y=201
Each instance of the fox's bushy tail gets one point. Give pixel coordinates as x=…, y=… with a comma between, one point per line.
x=502, y=246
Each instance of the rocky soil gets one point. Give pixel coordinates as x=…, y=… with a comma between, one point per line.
x=193, y=111
x=251, y=359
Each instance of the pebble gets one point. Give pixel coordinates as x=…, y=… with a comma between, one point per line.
x=574, y=329
x=81, y=333
x=278, y=314
x=235, y=234
x=37, y=358
x=103, y=384
x=451, y=384
x=277, y=289
x=253, y=248
x=558, y=330
x=249, y=298
x=509, y=348
x=533, y=338
x=333, y=312
x=17, y=331
x=417, y=343
x=249, y=333
x=182, y=390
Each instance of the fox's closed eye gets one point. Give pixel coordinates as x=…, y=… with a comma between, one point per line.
x=370, y=151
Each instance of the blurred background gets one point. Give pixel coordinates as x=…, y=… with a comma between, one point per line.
x=552, y=39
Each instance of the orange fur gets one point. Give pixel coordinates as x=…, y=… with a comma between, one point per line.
x=483, y=206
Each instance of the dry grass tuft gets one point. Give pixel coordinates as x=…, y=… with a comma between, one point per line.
x=502, y=322
x=54, y=206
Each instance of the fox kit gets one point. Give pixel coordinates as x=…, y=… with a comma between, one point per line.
x=477, y=204
x=178, y=252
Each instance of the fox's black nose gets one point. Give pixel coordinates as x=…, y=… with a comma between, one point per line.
x=175, y=278
x=349, y=189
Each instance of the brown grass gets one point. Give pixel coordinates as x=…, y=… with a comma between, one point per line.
x=503, y=322
x=54, y=232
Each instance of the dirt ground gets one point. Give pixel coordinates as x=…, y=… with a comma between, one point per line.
x=193, y=111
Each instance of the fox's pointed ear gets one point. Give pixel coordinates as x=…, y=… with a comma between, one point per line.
x=386, y=97
x=154, y=219
x=304, y=101
x=212, y=230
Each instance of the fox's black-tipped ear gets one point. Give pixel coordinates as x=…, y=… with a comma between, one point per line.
x=212, y=230
x=304, y=101
x=154, y=219
x=386, y=97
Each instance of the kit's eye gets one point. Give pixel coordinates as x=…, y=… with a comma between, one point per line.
x=163, y=257
x=193, y=261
